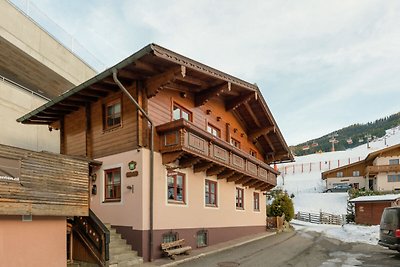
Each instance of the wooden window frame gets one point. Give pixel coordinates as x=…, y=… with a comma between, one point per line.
x=209, y=193
x=107, y=104
x=256, y=201
x=236, y=143
x=239, y=198
x=106, y=185
x=175, y=199
x=253, y=153
x=181, y=108
x=216, y=129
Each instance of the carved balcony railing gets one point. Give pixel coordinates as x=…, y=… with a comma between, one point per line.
x=382, y=168
x=190, y=146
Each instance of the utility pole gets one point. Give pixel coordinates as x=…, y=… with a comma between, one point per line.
x=333, y=140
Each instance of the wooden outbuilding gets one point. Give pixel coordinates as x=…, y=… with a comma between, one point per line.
x=369, y=209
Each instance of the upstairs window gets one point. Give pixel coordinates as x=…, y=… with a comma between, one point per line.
x=239, y=198
x=113, y=114
x=253, y=153
x=256, y=197
x=214, y=130
x=393, y=161
x=235, y=143
x=339, y=174
x=112, y=184
x=176, y=187
x=211, y=193
x=180, y=112
x=356, y=173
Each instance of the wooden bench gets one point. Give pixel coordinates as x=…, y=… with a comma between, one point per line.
x=177, y=247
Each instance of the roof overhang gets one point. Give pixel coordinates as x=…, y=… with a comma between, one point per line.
x=159, y=68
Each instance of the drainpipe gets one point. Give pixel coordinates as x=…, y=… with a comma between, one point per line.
x=123, y=89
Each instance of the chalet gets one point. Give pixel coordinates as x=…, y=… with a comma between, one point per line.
x=379, y=171
x=185, y=149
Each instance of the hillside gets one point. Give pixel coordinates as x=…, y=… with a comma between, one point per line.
x=348, y=137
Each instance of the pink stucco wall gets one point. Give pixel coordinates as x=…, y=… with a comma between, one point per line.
x=133, y=210
x=40, y=242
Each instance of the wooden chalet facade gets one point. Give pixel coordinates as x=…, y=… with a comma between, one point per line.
x=190, y=159
x=379, y=171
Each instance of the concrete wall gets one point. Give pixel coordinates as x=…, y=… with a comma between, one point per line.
x=14, y=103
x=40, y=242
x=20, y=31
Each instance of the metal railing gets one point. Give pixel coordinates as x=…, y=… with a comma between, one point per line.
x=6, y=80
x=31, y=11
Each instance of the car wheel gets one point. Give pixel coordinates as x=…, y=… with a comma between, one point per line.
x=329, y=191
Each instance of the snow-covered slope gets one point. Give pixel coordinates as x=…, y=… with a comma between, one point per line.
x=303, y=177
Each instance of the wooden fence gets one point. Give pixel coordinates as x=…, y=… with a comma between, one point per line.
x=321, y=218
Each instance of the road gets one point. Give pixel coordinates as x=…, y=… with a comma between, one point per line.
x=300, y=249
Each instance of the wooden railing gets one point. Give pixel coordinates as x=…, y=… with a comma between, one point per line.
x=94, y=235
x=182, y=135
x=382, y=168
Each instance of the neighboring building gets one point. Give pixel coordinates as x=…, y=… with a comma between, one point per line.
x=214, y=141
x=379, y=171
x=369, y=209
x=38, y=190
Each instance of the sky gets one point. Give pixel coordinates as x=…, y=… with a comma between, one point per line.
x=320, y=65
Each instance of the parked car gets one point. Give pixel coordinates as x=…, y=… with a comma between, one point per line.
x=389, y=234
x=339, y=188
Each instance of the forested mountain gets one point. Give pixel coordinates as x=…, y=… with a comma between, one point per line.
x=348, y=137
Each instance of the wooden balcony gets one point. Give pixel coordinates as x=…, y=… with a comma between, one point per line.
x=373, y=170
x=187, y=145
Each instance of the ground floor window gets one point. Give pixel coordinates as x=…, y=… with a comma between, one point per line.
x=256, y=197
x=211, y=193
x=112, y=184
x=394, y=178
x=176, y=187
x=202, y=238
x=239, y=198
x=169, y=237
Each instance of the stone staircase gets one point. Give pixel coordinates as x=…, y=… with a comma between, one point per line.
x=121, y=253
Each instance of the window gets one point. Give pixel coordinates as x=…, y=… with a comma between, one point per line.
x=113, y=114
x=213, y=130
x=113, y=184
x=235, y=143
x=239, y=198
x=393, y=178
x=253, y=153
x=356, y=173
x=256, y=197
x=180, y=112
x=202, y=238
x=169, y=237
x=211, y=193
x=176, y=186
x=393, y=161
x=339, y=174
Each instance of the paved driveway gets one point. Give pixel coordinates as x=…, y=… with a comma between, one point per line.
x=300, y=249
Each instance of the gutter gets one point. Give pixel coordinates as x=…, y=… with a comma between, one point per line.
x=123, y=89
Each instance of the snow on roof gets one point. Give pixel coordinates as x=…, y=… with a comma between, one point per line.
x=389, y=197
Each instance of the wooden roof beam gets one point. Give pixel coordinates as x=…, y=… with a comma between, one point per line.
x=239, y=100
x=243, y=180
x=258, y=183
x=157, y=82
x=202, y=166
x=250, y=182
x=254, y=134
x=104, y=87
x=145, y=67
x=252, y=115
x=214, y=170
x=270, y=143
x=202, y=97
x=225, y=174
x=235, y=177
x=188, y=162
x=193, y=81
